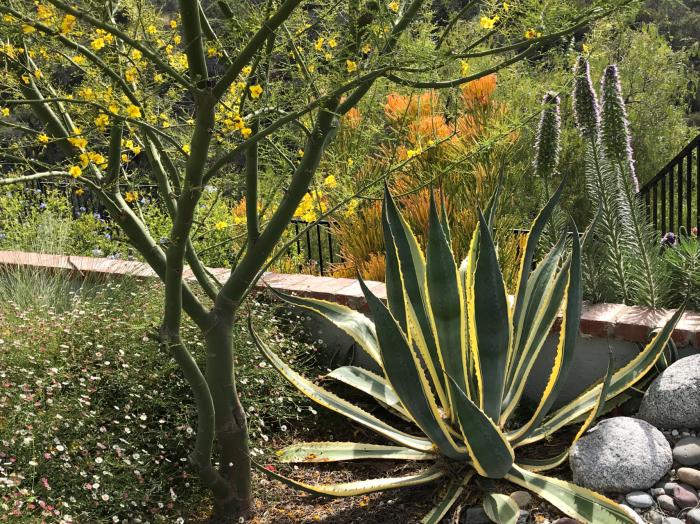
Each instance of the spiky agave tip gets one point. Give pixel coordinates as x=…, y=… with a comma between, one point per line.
x=586, y=109
x=615, y=135
x=547, y=143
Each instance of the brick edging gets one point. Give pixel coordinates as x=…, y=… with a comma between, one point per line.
x=629, y=323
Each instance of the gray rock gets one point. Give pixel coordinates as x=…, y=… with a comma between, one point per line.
x=669, y=487
x=475, y=515
x=687, y=451
x=566, y=520
x=654, y=517
x=523, y=517
x=667, y=504
x=522, y=498
x=639, y=499
x=656, y=492
x=620, y=455
x=685, y=496
x=693, y=516
x=690, y=476
x=672, y=520
x=673, y=399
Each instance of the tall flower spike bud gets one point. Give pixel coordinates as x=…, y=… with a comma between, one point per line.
x=586, y=110
x=547, y=142
x=615, y=134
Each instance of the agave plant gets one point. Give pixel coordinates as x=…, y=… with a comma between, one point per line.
x=455, y=352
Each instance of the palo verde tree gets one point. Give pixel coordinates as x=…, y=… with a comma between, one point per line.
x=104, y=94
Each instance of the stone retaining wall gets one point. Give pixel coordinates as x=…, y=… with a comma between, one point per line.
x=617, y=321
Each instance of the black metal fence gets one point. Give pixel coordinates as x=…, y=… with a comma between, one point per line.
x=315, y=245
x=672, y=197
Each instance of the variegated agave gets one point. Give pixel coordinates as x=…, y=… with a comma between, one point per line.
x=455, y=353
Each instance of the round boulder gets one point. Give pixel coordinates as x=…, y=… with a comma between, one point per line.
x=620, y=455
x=673, y=399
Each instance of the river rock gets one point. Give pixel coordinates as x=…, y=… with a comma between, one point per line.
x=620, y=455
x=639, y=499
x=666, y=503
x=566, y=520
x=690, y=476
x=522, y=498
x=654, y=517
x=693, y=516
x=673, y=399
x=687, y=451
x=475, y=515
x=672, y=520
x=685, y=496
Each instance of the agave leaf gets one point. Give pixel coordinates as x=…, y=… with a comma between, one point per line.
x=489, y=323
x=395, y=294
x=568, y=335
x=446, y=303
x=576, y=502
x=558, y=460
x=531, y=242
x=373, y=385
x=360, y=487
x=412, y=276
x=333, y=402
x=454, y=490
x=337, y=451
x=501, y=509
x=543, y=298
x=490, y=452
x=621, y=380
x=352, y=322
x=405, y=373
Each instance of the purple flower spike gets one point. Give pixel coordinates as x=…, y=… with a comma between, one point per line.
x=615, y=133
x=586, y=110
x=547, y=143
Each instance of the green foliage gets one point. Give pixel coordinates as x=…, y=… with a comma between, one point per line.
x=455, y=355
x=682, y=266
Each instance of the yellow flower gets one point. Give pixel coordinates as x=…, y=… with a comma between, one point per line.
x=25, y=79
x=586, y=49
x=130, y=74
x=350, y=162
x=80, y=191
x=75, y=171
x=133, y=111
x=351, y=66
x=255, y=91
x=489, y=23
x=212, y=52
x=464, y=67
x=97, y=158
x=38, y=73
x=330, y=182
x=319, y=43
x=221, y=224
x=28, y=29
x=186, y=149
x=136, y=54
x=151, y=29
x=246, y=70
x=506, y=6
x=78, y=141
x=332, y=43
x=366, y=49
x=131, y=196
x=102, y=120
x=158, y=78
x=79, y=59
x=246, y=131
x=173, y=24
x=43, y=138
x=67, y=24
x=413, y=152
x=177, y=39
x=531, y=33
x=84, y=159
x=5, y=111
x=97, y=43
x=394, y=7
